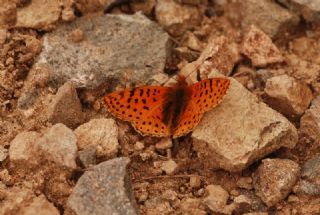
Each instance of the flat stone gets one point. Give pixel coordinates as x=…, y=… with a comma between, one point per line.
x=100, y=134
x=104, y=188
x=274, y=179
x=39, y=14
x=259, y=48
x=310, y=122
x=310, y=10
x=59, y=144
x=108, y=54
x=240, y=130
x=23, y=147
x=39, y=205
x=257, y=12
x=177, y=18
x=288, y=96
x=66, y=107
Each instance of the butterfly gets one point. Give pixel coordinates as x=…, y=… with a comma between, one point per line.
x=167, y=111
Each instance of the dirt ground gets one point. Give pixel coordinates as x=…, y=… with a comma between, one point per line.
x=156, y=189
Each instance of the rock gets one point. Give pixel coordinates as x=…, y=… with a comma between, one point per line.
x=310, y=178
x=23, y=148
x=169, y=167
x=240, y=130
x=100, y=134
x=139, y=146
x=288, y=96
x=87, y=156
x=177, y=18
x=217, y=199
x=108, y=54
x=186, y=53
x=259, y=48
x=8, y=13
x=191, y=206
x=66, y=107
x=310, y=10
x=59, y=144
x=97, y=5
x=257, y=12
x=39, y=14
x=158, y=205
x=195, y=181
x=310, y=122
x=219, y=55
x=274, y=179
x=39, y=205
x=105, y=188
x=3, y=153
x=15, y=198
x=164, y=143
x=245, y=183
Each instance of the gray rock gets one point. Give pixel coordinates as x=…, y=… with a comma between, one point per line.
x=311, y=169
x=308, y=188
x=274, y=179
x=103, y=189
x=116, y=49
x=59, y=144
x=66, y=107
x=87, y=156
x=309, y=9
x=258, y=12
x=288, y=96
x=100, y=134
x=240, y=130
x=310, y=122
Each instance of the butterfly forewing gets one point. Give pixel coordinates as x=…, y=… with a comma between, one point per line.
x=205, y=95
x=142, y=106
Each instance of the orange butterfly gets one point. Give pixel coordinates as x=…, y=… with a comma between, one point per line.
x=167, y=111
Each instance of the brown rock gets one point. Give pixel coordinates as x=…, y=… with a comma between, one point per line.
x=47, y=13
x=240, y=130
x=101, y=134
x=3, y=153
x=288, y=96
x=310, y=121
x=59, y=144
x=23, y=148
x=8, y=13
x=39, y=205
x=257, y=12
x=66, y=107
x=169, y=167
x=274, y=179
x=177, y=18
x=191, y=206
x=259, y=48
x=165, y=143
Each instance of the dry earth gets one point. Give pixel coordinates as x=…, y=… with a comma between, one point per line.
x=61, y=152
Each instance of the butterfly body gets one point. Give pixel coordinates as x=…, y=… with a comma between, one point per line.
x=167, y=111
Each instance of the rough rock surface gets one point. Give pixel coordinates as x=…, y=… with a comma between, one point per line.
x=104, y=188
x=310, y=121
x=310, y=10
x=100, y=134
x=39, y=205
x=3, y=153
x=177, y=18
x=39, y=14
x=274, y=179
x=8, y=12
x=257, y=12
x=61, y=150
x=23, y=147
x=259, y=48
x=108, y=54
x=241, y=130
x=288, y=96
x=65, y=107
